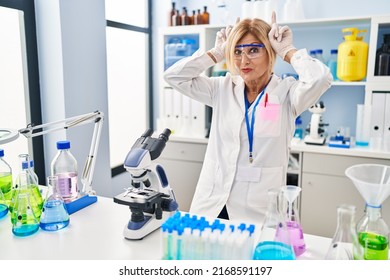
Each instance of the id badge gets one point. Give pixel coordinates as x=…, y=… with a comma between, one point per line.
x=248, y=174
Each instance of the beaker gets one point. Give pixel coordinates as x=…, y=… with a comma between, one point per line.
x=373, y=183
x=290, y=195
x=54, y=214
x=269, y=247
x=345, y=244
x=3, y=205
x=25, y=222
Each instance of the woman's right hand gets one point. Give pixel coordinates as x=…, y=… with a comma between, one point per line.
x=218, y=52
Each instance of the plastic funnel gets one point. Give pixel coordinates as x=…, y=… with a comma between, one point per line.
x=291, y=192
x=372, y=181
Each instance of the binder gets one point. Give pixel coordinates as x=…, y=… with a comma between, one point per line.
x=177, y=112
x=198, y=119
x=377, y=120
x=186, y=129
x=386, y=129
x=168, y=107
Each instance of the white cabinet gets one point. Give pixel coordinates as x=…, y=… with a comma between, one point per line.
x=325, y=187
x=182, y=160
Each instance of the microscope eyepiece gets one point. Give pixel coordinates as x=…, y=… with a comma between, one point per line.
x=148, y=132
x=165, y=134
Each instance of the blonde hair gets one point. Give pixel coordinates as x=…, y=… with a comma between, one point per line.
x=259, y=29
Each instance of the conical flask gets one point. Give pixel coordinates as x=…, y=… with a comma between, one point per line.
x=25, y=184
x=3, y=205
x=345, y=244
x=373, y=183
x=25, y=223
x=54, y=214
x=274, y=242
x=290, y=195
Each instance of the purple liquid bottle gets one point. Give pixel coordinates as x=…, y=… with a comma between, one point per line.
x=64, y=166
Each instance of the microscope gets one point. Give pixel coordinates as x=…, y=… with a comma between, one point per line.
x=316, y=129
x=150, y=197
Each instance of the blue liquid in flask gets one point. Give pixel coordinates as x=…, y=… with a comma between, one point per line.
x=25, y=229
x=3, y=210
x=54, y=216
x=273, y=250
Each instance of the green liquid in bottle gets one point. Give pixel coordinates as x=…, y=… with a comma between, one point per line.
x=376, y=247
x=6, y=185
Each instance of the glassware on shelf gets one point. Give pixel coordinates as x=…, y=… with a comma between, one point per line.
x=290, y=195
x=25, y=222
x=345, y=244
x=205, y=16
x=274, y=242
x=54, y=214
x=373, y=183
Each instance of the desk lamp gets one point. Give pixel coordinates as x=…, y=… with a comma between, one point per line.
x=87, y=195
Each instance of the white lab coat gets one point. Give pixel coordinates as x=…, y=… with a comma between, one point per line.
x=227, y=176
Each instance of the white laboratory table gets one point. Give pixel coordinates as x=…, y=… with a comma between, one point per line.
x=96, y=233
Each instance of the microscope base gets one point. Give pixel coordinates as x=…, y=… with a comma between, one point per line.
x=314, y=141
x=131, y=232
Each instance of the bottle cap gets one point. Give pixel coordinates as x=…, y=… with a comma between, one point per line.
x=1, y=152
x=334, y=51
x=24, y=165
x=62, y=145
x=298, y=120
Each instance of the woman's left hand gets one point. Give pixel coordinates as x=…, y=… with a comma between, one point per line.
x=281, y=38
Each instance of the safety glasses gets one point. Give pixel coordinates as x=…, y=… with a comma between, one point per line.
x=251, y=51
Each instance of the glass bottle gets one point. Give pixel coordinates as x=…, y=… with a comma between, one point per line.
x=345, y=244
x=25, y=223
x=176, y=19
x=171, y=13
x=290, y=195
x=373, y=234
x=64, y=165
x=319, y=55
x=205, y=16
x=382, y=60
x=3, y=205
x=25, y=184
x=5, y=178
x=54, y=214
x=298, y=128
x=192, y=18
x=332, y=63
x=198, y=18
x=268, y=247
x=185, y=19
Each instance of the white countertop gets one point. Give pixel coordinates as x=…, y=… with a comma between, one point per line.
x=325, y=149
x=96, y=233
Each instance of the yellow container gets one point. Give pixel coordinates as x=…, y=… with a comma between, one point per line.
x=352, y=56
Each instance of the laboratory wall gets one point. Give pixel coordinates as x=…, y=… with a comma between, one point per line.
x=73, y=72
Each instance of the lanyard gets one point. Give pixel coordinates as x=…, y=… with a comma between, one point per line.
x=251, y=125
